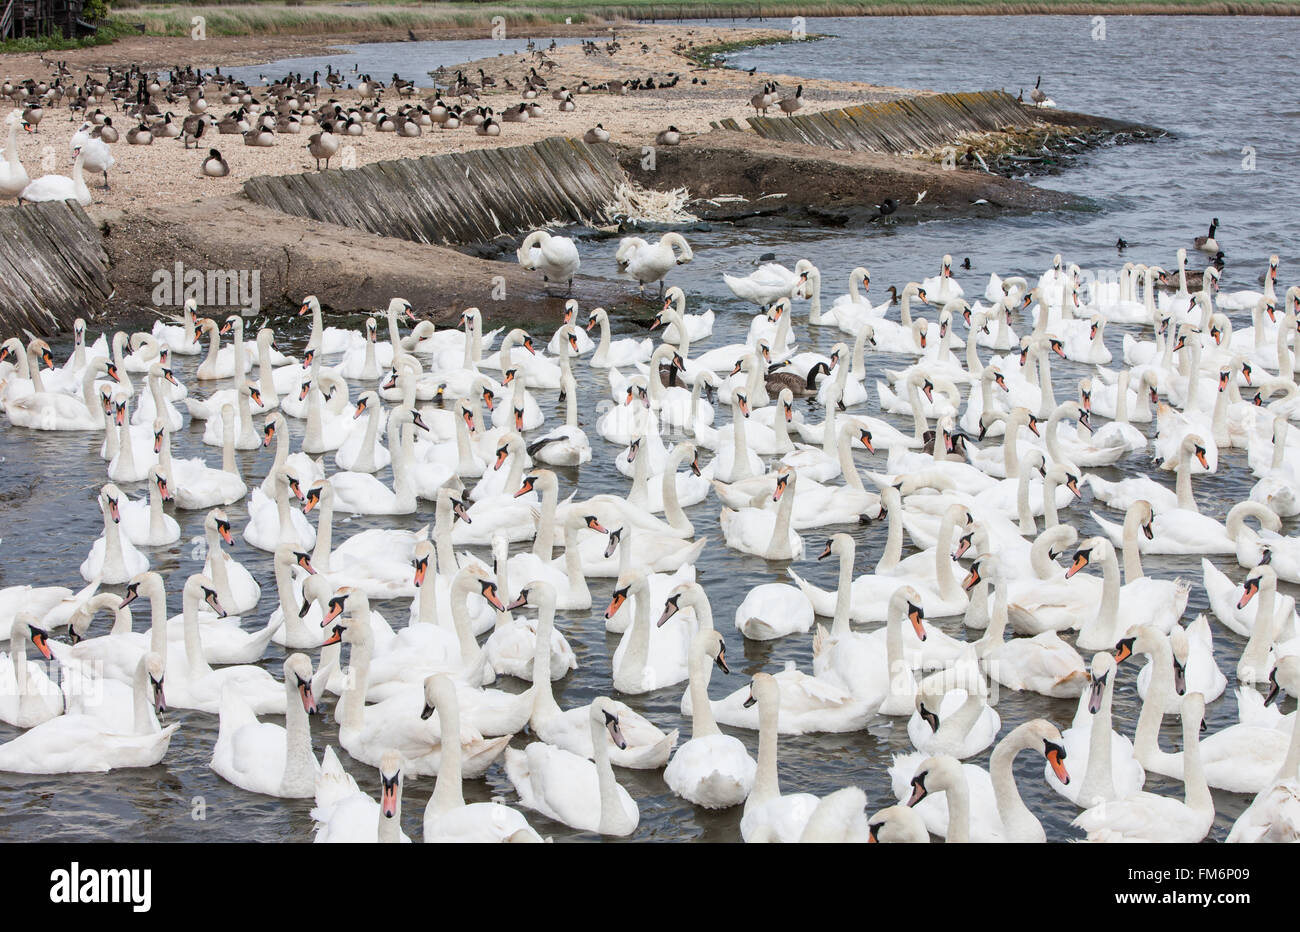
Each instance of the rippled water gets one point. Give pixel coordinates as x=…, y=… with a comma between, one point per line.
x=1156, y=196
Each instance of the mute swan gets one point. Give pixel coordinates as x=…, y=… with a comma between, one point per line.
x=854, y=661
x=649, y=658
x=1148, y=817
x=1274, y=814
x=266, y=758
x=682, y=328
x=81, y=743
x=60, y=187
x=645, y=262
x=986, y=805
x=555, y=256
x=195, y=685
x=113, y=559
x=1105, y=758
x=573, y=790
x=712, y=770
x=27, y=694
x=952, y=714
x=343, y=814
x=1043, y=663
x=447, y=818
x=768, y=813
x=13, y=177
x=645, y=746
x=764, y=533
x=770, y=282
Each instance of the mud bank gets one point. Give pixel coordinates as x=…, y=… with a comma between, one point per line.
x=352, y=271
x=773, y=177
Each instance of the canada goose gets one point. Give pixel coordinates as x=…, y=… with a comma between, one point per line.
x=33, y=115
x=323, y=145
x=517, y=114
x=764, y=98
x=797, y=384
x=789, y=105
x=139, y=136
x=568, y=105
x=166, y=129
x=385, y=123
x=259, y=137
x=1208, y=244
x=107, y=131
x=669, y=137
x=1036, y=94
x=232, y=125
x=409, y=129
x=214, y=166
x=486, y=80
x=489, y=127
x=597, y=133
x=192, y=129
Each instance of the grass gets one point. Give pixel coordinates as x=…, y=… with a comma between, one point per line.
x=257, y=17
x=109, y=31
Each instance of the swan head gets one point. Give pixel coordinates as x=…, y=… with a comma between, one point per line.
x=109, y=498
x=153, y=666
x=26, y=627
x=202, y=589
x=287, y=556
x=763, y=689
x=897, y=825
x=538, y=593
x=632, y=580
x=297, y=676
x=1194, y=446
x=390, y=783
x=1262, y=577
x=934, y=775
x=439, y=693
x=148, y=584
x=542, y=480
x=906, y=602
x=1103, y=666
x=1284, y=678
x=1090, y=548
x=604, y=714
x=786, y=477
x=400, y=307
x=473, y=577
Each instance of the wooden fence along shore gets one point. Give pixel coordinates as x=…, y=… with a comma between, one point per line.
x=909, y=124
x=53, y=267
x=459, y=197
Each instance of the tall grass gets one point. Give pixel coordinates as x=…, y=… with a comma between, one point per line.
x=252, y=17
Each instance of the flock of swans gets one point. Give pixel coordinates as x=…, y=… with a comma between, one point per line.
x=437, y=420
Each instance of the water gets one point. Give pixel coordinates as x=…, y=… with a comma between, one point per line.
x=1156, y=196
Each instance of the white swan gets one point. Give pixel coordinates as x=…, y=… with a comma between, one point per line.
x=1152, y=818
x=446, y=817
x=345, y=815
x=572, y=790
x=262, y=757
x=645, y=262
x=712, y=770
x=556, y=257
x=768, y=815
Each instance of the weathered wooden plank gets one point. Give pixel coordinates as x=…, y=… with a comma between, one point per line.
x=458, y=197
x=907, y=124
x=53, y=267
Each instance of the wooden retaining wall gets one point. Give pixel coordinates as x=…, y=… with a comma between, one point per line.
x=458, y=197
x=53, y=268
x=909, y=124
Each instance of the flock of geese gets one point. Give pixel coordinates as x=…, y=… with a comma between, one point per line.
x=437, y=420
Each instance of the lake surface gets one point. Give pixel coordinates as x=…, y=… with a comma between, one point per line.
x=1156, y=196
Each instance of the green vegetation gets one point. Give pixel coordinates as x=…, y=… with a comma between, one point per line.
x=109, y=31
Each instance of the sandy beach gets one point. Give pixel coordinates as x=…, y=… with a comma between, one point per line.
x=165, y=172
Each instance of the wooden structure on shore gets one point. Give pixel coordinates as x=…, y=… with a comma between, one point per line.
x=21, y=18
x=908, y=124
x=458, y=197
x=53, y=267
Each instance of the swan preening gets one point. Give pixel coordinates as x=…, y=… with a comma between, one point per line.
x=446, y=541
